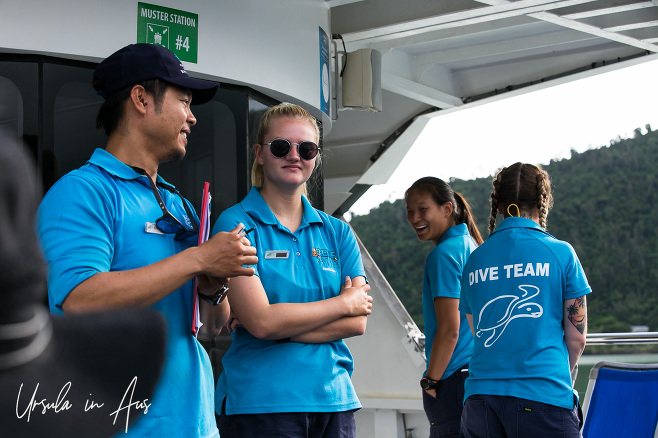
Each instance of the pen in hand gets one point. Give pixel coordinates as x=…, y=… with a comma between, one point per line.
x=243, y=232
x=224, y=290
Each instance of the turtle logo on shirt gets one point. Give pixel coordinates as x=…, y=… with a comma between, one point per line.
x=503, y=309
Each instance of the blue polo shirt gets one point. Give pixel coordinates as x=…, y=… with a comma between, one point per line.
x=442, y=278
x=94, y=220
x=263, y=376
x=515, y=285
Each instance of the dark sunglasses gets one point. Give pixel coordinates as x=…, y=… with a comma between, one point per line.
x=167, y=223
x=280, y=148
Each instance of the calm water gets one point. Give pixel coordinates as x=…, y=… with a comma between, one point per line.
x=587, y=361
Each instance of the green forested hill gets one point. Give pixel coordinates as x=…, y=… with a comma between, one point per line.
x=605, y=207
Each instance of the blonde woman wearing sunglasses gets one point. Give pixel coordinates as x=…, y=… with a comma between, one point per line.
x=288, y=370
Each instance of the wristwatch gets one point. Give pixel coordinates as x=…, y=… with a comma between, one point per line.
x=426, y=383
x=218, y=297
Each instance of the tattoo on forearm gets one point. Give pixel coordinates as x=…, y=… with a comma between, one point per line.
x=578, y=314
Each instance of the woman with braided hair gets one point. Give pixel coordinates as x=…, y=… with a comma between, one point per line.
x=442, y=216
x=523, y=293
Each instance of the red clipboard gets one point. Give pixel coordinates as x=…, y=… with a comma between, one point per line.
x=204, y=233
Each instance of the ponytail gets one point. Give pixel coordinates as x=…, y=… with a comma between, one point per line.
x=465, y=216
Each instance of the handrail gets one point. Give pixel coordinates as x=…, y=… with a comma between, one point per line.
x=622, y=338
x=629, y=338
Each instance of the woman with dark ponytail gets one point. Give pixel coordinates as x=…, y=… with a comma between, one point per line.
x=523, y=292
x=443, y=217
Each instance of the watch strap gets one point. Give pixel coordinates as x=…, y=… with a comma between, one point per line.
x=218, y=297
x=427, y=383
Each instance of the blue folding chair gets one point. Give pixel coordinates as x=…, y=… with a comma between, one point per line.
x=621, y=401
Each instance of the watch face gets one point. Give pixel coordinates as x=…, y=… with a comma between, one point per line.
x=426, y=383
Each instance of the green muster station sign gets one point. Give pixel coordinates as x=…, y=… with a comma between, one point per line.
x=171, y=28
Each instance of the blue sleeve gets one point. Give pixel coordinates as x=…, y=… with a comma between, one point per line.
x=444, y=273
x=75, y=224
x=351, y=263
x=226, y=221
x=463, y=302
x=576, y=284
x=464, y=305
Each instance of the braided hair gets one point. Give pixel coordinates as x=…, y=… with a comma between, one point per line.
x=525, y=185
x=441, y=193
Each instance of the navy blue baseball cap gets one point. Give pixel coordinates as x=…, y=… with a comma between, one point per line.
x=140, y=62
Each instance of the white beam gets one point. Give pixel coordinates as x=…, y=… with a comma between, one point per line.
x=419, y=92
x=609, y=11
x=632, y=26
x=407, y=405
x=593, y=30
x=582, y=27
x=504, y=47
x=386, y=423
x=334, y=3
x=458, y=19
x=382, y=169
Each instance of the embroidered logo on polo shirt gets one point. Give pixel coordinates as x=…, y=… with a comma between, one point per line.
x=325, y=258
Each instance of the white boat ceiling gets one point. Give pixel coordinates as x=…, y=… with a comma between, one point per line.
x=444, y=55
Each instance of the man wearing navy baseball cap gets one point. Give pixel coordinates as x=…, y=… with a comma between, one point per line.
x=138, y=62
x=117, y=235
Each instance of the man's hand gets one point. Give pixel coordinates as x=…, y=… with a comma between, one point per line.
x=224, y=255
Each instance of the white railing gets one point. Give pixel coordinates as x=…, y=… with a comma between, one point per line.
x=622, y=338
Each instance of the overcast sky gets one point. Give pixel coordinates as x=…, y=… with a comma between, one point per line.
x=535, y=128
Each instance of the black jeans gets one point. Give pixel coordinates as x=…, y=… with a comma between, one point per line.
x=489, y=416
x=288, y=425
x=445, y=411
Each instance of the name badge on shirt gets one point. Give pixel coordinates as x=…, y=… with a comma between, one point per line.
x=276, y=254
x=152, y=229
